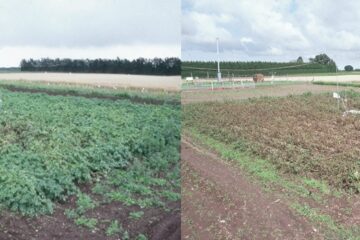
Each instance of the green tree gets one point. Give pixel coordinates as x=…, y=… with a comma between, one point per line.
x=300, y=60
x=348, y=68
x=322, y=59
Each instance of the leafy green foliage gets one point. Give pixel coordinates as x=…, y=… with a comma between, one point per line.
x=342, y=84
x=84, y=203
x=323, y=59
x=114, y=228
x=87, y=222
x=349, y=68
x=152, y=97
x=156, y=66
x=141, y=237
x=136, y=215
x=50, y=144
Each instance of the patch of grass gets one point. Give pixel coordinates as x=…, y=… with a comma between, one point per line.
x=136, y=215
x=151, y=96
x=89, y=223
x=230, y=84
x=255, y=166
x=261, y=169
x=341, y=84
x=125, y=198
x=335, y=230
x=84, y=203
x=141, y=237
x=316, y=184
x=125, y=235
x=170, y=195
x=114, y=228
x=71, y=213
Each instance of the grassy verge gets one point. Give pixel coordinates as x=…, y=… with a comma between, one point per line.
x=296, y=189
x=262, y=169
x=335, y=231
x=237, y=84
x=146, y=96
x=341, y=84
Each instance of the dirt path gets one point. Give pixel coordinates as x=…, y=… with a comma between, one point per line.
x=219, y=202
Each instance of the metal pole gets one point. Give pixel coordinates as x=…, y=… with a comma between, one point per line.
x=218, y=60
x=337, y=87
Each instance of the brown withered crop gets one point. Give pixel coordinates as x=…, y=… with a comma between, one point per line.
x=304, y=135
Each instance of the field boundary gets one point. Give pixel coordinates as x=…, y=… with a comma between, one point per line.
x=305, y=199
x=59, y=92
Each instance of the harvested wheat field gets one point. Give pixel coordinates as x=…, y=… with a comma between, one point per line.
x=168, y=83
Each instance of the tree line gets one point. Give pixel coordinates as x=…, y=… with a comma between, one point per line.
x=203, y=69
x=155, y=66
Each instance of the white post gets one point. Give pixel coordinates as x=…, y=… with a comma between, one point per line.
x=337, y=87
x=218, y=60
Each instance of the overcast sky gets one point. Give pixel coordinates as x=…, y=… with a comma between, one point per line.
x=274, y=30
x=88, y=29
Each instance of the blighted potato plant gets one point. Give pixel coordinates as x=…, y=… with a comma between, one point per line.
x=305, y=135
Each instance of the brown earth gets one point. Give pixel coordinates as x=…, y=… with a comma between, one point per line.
x=156, y=223
x=215, y=190
x=300, y=135
x=219, y=202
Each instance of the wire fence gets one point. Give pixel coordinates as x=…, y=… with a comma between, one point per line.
x=237, y=81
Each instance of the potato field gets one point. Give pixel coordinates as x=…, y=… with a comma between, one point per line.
x=297, y=154
x=71, y=157
x=302, y=135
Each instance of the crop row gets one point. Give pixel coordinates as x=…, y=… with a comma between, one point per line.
x=208, y=69
x=50, y=144
x=152, y=97
x=302, y=135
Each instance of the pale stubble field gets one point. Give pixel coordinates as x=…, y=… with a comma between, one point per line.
x=168, y=83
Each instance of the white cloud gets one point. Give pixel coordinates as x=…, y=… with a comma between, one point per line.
x=278, y=29
x=204, y=28
x=245, y=40
x=15, y=54
x=89, y=25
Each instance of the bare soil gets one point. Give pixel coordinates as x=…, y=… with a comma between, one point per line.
x=301, y=135
x=156, y=223
x=222, y=95
x=219, y=202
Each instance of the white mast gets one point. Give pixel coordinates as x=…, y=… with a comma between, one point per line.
x=218, y=60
